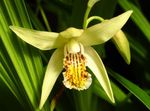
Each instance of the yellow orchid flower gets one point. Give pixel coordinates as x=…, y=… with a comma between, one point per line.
x=74, y=54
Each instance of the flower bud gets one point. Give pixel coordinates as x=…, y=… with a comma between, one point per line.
x=122, y=45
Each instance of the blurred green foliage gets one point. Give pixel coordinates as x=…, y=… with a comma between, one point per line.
x=22, y=66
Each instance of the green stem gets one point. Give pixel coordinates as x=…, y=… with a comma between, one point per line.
x=90, y=4
x=93, y=18
x=43, y=56
x=86, y=17
x=44, y=18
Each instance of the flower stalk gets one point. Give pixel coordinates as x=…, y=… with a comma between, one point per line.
x=90, y=4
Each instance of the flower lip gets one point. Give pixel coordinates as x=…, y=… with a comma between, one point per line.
x=75, y=75
x=71, y=33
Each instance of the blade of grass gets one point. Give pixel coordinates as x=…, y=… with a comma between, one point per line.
x=100, y=8
x=16, y=59
x=26, y=60
x=11, y=80
x=29, y=60
x=44, y=18
x=7, y=80
x=83, y=99
x=137, y=47
x=60, y=12
x=137, y=16
x=36, y=22
x=133, y=88
x=34, y=59
x=119, y=95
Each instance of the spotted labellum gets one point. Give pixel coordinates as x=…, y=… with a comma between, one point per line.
x=76, y=75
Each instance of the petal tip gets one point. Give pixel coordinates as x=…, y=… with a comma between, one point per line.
x=128, y=61
x=129, y=12
x=126, y=14
x=11, y=27
x=112, y=99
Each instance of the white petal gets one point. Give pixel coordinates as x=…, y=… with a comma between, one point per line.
x=96, y=65
x=53, y=70
x=39, y=39
x=104, y=31
x=73, y=47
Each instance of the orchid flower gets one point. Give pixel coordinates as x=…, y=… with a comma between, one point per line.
x=74, y=54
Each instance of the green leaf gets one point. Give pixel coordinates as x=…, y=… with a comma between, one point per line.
x=8, y=81
x=137, y=47
x=133, y=88
x=15, y=57
x=119, y=95
x=27, y=65
x=138, y=17
x=101, y=8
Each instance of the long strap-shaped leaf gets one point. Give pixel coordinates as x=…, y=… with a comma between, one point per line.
x=26, y=60
x=134, y=89
x=16, y=59
x=137, y=17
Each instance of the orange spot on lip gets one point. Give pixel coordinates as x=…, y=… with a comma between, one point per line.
x=76, y=75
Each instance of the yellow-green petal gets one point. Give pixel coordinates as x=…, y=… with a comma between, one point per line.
x=104, y=31
x=95, y=64
x=71, y=32
x=40, y=39
x=122, y=45
x=53, y=70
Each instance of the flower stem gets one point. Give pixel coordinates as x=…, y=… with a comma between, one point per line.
x=93, y=18
x=44, y=18
x=86, y=17
x=56, y=98
x=89, y=7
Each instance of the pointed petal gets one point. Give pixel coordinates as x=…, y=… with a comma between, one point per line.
x=53, y=70
x=96, y=65
x=102, y=32
x=39, y=39
x=122, y=45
